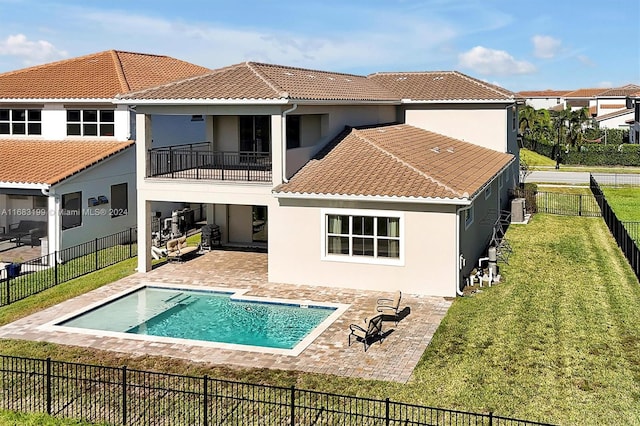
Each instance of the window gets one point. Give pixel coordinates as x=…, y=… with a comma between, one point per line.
x=293, y=131
x=501, y=179
x=119, y=200
x=468, y=217
x=20, y=122
x=487, y=192
x=90, y=122
x=514, y=117
x=71, y=210
x=360, y=237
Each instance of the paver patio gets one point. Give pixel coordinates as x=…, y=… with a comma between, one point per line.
x=393, y=360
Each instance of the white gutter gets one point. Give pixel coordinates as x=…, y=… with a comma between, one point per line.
x=194, y=102
x=283, y=145
x=457, y=256
x=460, y=101
x=25, y=185
x=377, y=198
x=85, y=101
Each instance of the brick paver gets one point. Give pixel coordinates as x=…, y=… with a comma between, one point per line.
x=392, y=360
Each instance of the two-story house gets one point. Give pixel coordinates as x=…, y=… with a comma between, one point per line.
x=346, y=180
x=67, y=162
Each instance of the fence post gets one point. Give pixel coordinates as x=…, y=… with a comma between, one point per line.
x=580, y=205
x=293, y=405
x=124, y=394
x=48, y=385
x=95, y=249
x=387, y=414
x=205, y=410
x=130, y=242
x=490, y=418
x=8, y=298
x=55, y=266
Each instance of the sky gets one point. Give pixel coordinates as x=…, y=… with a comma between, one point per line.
x=538, y=45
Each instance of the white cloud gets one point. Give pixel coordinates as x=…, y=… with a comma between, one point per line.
x=585, y=60
x=30, y=51
x=493, y=62
x=605, y=84
x=545, y=47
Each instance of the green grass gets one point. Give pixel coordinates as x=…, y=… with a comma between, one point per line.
x=624, y=201
x=557, y=341
x=533, y=159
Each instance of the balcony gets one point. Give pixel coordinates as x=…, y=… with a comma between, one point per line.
x=197, y=161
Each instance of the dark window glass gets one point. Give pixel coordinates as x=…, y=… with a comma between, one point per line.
x=106, y=130
x=73, y=129
x=90, y=130
x=293, y=131
x=4, y=115
x=363, y=225
x=362, y=246
x=106, y=116
x=71, y=211
x=18, y=114
x=35, y=115
x=73, y=115
x=35, y=129
x=338, y=245
x=90, y=115
x=19, y=129
x=4, y=128
x=119, y=200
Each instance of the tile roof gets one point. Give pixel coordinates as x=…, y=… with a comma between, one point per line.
x=49, y=162
x=440, y=86
x=627, y=90
x=97, y=76
x=613, y=106
x=584, y=93
x=252, y=80
x=615, y=114
x=543, y=93
x=397, y=161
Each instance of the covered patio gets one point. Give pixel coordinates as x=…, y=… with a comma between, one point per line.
x=393, y=360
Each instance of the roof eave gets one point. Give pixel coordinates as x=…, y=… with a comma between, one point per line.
x=375, y=198
x=460, y=101
x=57, y=100
x=24, y=185
x=133, y=101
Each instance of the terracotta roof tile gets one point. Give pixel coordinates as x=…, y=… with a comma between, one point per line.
x=613, y=106
x=49, y=162
x=614, y=114
x=543, y=93
x=97, y=76
x=440, y=85
x=251, y=80
x=627, y=90
x=397, y=161
x=584, y=93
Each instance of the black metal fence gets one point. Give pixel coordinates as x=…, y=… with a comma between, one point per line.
x=617, y=179
x=125, y=396
x=625, y=241
x=559, y=203
x=44, y=272
x=198, y=162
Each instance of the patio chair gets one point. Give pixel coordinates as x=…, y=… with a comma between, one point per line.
x=390, y=307
x=368, y=336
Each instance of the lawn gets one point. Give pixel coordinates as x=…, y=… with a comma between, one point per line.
x=625, y=202
x=533, y=159
x=557, y=341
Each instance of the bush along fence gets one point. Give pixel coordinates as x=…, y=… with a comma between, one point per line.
x=123, y=396
x=36, y=275
x=558, y=203
x=622, y=236
x=593, y=154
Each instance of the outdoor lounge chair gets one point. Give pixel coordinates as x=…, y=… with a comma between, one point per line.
x=390, y=307
x=373, y=332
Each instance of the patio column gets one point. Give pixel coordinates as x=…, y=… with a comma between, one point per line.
x=144, y=236
x=143, y=144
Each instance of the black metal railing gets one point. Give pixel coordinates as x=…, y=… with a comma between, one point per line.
x=558, y=203
x=198, y=162
x=617, y=179
x=130, y=397
x=620, y=233
x=38, y=274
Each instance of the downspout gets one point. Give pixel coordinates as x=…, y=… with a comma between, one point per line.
x=458, y=268
x=284, y=141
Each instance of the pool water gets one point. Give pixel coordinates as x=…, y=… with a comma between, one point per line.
x=211, y=316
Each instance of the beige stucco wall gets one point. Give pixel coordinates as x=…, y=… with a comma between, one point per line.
x=295, y=240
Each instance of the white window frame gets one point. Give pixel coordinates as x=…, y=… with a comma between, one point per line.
x=11, y=121
x=350, y=258
x=468, y=217
x=98, y=123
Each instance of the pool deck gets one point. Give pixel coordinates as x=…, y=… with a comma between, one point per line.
x=392, y=360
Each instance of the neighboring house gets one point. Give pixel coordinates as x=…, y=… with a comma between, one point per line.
x=583, y=98
x=612, y=100
x=544, y=99
x=634, y=122
x=67, y=162
x=308, y=165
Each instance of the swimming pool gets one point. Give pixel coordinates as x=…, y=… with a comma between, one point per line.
x=224, y=317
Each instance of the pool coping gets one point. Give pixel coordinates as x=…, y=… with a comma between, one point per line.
x=238, y=294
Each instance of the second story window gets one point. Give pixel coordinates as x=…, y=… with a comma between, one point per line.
x=20, y=122
x=90, y=122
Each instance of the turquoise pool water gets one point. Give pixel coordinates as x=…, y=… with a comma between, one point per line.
x=204, y=315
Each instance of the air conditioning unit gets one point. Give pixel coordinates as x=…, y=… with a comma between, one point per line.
x=517, y=210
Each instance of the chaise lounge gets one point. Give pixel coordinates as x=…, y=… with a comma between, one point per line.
x=25, y=231
x=390, y=307
x=178, y=249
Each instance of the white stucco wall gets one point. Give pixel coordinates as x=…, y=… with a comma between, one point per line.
x=97, y=221
x=544, y=103
x=295, y=241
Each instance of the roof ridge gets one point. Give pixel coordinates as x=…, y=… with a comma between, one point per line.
x=122, y=77
x=273, y=86
x=306, y=69
x=484, y=84
x=408, y=72
x=50, y=64
x=358, y=134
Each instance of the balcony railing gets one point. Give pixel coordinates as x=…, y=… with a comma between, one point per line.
x=195, y=161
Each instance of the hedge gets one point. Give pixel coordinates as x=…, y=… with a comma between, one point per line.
x=590, y=154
